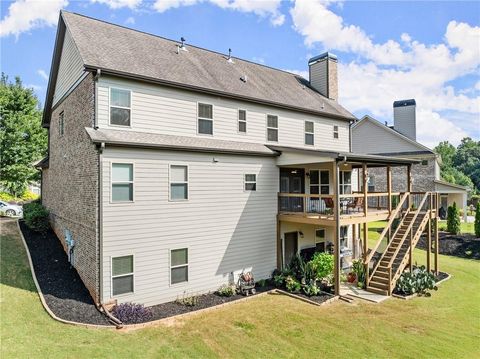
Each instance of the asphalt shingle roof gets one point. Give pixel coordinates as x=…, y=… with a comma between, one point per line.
x=129, y=52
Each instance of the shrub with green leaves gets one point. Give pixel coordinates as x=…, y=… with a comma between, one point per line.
x=453, y=219
x=36, y=217
x=359, y=269
x=311, y=288
x=323, y=264
x=477, y=220
x=292, y=284
x=226, y=290
x=419, y=281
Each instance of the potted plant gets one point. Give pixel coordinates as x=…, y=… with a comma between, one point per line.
x=351, y=277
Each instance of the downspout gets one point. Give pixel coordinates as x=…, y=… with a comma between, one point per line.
x=350, y=124
x=95, y=80
x=100, y=218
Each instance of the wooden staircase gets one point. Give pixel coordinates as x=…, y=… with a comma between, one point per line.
x=398, y=253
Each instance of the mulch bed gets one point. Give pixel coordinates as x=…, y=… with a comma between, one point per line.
x=319, y=298
x=61, y=285
x=463, y=246
x=439, y=277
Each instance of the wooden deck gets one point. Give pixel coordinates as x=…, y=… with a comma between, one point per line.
x=329, y=220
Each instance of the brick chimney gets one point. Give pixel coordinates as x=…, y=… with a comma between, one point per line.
x=323, y=74
x=404, y=118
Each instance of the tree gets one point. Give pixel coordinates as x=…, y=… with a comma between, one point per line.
x=447, y=151
x=477, y=220
x=453, y=219
x=22, y=138
x=467, y=159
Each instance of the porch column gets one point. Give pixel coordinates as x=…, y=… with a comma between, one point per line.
x=429, y=238
x=354, y=240
x=336, y=245
x=365, y=252
x=279, y=246
x=389, y=190
x=436, y=234
x=365, y=189
x=409, y=184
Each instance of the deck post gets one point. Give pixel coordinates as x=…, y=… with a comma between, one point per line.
x=409, y=184
x=389, y=190
x=429, y=238
x=436, y=234
x=279, y=245
x=365, y=252
x=354, y=240
x=365, y=189
x=336, y=246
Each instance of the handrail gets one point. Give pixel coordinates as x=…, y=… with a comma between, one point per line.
x=305, y=195
x=385, y=230
x=409, y=228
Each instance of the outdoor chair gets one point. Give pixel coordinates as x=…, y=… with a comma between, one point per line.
x=357, y=204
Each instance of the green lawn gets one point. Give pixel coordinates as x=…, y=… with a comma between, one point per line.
x=464, y=227
x=447, y=325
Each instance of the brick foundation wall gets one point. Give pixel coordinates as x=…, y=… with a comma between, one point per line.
x=70, y=184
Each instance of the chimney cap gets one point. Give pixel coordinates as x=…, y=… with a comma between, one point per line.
x=325, y=55
x=402, y=103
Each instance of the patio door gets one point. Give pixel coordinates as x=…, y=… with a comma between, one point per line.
x=290, y=247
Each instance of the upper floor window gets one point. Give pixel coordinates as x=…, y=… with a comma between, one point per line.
x=250, y=182
x=120, y=107
x=335, y=131
x=309, y=133
x=205, y=119
x=345, y=182
x=272, y=128
x=61, y=123
x=122, y=182
x=178, y=183
x=242, y=121
x=319, y=182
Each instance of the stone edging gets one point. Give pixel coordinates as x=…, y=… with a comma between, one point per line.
x=414, y=295
x=334, y=298
x=124, y=326
x=42, y=298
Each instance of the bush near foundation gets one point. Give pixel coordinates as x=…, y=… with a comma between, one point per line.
x=477, y=220
x=36, y=217
x=453, y=219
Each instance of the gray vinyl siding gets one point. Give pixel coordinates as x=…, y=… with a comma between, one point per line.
x=318, y=76
x=368, y=137
x=69, y=70
x=405, y=121
x=158, y=109
x=225, y=228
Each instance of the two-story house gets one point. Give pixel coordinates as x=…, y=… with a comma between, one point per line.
x=400, y=140
x=172, y=168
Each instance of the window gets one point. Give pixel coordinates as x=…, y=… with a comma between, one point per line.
x=122, y=275
x=178, y=266
x=345, y=182
x=335, y=131
x=178, y=183
x=371, y=183
x=205, y=119
x=319, y=182
x=242, y=121
x=61, y=123
x=250, y=182
x=309, y=133
x=272, y=128
x=320, y=240
x=120, y=103
x=344, y=236
x=122, y=182
x=424, y=162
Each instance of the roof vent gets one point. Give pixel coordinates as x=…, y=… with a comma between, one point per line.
x=229, y=59
x=182, y=47
x=244, y=78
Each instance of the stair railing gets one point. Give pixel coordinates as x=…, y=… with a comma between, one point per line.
x=407, y=231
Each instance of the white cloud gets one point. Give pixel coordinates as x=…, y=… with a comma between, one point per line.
x=263, y=8
x=118, y=4
x=431, y=128
x=384, y=72
x=130, y=20
x=24, y=15
x=42, y=74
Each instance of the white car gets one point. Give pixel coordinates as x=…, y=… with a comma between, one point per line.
x=10, y=210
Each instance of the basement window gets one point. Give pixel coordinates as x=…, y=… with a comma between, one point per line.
x=178, y=265
x=205, y=119
x=242, y=121
x=120, y=107
x=309, y=133
x=250, y=182
x=272, y=128
x=335, y=131
x=122, y=275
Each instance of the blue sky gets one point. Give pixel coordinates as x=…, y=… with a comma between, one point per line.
x=429, y=51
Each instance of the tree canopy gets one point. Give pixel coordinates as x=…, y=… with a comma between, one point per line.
x=23, y=141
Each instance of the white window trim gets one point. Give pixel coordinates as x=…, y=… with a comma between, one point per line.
x=127, y=108
x=112, y=182
x=206, y=119
x=238, y=121
x=245, y=182
x=179, y=266
x=320, y=184
x=122, y=275
x=272, y=128
x=337, y=131
x=170, y=183
x=309, y=133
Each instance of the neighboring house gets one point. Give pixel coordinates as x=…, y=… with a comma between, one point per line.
x=166, y=162
x=399, y=140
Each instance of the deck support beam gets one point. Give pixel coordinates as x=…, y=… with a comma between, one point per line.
x=365, y=189
x=365, y=252
x=389, y=190
x=279, y=246
x=436, y=233
x=429, y=237
x=336, y=246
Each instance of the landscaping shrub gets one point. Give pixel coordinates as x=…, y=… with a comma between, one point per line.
x=359, y=269
x=226, y=290
x=311, y=288
x=188, y=300
x=132, y=313
x=292, y=284
x=419, y=281
x=261, y=283
x=26, y=197
x=477, y=220
x=36, y=217
x=453, y=219
x=323, y=263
